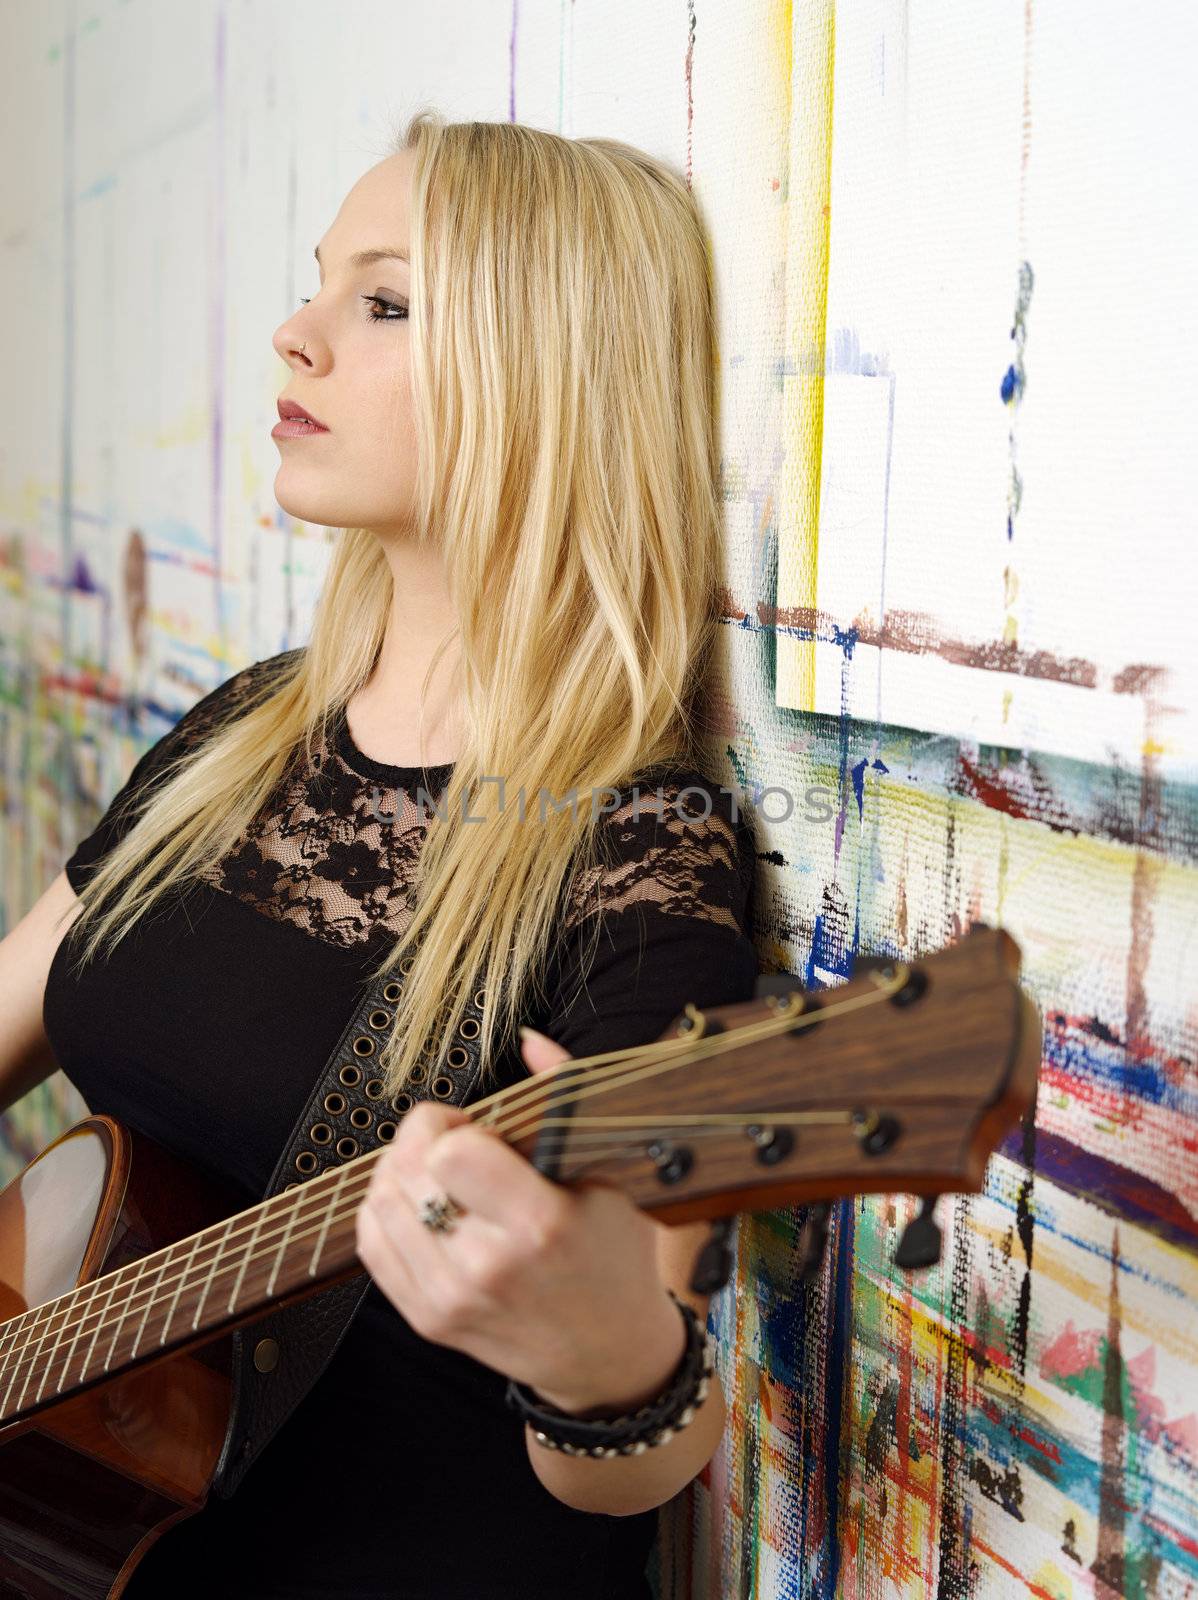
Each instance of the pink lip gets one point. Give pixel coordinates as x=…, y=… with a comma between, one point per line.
x=295, y=428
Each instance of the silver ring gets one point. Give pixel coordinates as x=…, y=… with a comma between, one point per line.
x=439, y=1211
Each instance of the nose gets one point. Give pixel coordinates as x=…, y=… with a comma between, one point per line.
x=293, y=353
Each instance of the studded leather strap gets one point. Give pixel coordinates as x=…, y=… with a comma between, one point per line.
x=277, y=1359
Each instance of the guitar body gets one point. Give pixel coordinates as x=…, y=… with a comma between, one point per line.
x=87, y=1485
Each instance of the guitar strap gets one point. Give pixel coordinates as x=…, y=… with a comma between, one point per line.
x=277, y=1359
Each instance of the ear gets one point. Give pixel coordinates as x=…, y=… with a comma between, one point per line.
x=540, y=1052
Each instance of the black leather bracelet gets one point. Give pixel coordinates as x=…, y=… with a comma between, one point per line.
x=638, y=1431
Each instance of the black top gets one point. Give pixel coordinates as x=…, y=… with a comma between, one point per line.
x=401, y=1473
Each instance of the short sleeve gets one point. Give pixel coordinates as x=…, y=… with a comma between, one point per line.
x=666, y=919
x=128, y=802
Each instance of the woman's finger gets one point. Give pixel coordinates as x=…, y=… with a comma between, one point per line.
x=393, y=1199
x=540, y=1052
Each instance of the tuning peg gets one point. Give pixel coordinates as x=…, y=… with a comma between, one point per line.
x=920, y=1243
x=813, y=1237
x=713, y=1264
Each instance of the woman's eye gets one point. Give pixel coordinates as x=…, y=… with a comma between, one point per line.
x=395, y=306
x=387, y=305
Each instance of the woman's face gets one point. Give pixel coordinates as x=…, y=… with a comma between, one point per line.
x=354, y=375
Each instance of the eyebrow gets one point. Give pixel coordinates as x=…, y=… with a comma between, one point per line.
x=367, y=258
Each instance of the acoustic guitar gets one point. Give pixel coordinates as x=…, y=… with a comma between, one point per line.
x=123, y=1270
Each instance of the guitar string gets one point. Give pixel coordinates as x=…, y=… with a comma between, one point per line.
x=355, y=1190
x=622, y=1071
x=706, y=1046
x=250, y=1218
x=541, y=1087
x=192, y=1269
x=37, y=1323
x=768, y=1027
x=570, y=1071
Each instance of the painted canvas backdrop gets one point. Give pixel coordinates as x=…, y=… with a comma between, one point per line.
x=954, y=250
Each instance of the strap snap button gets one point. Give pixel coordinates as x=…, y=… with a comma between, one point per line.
x=266, y=1355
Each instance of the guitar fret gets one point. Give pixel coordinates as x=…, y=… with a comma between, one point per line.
x=84, y=1311
x=120, y=1321
x=212, y=1269
x=270, y=1282
x=62, y=1328
x=99, y=1324
x=179, y=1288
x=141, y=1327
x=13, y=1334
x=334, y=1195
x=247, y=1251
x=48, y=1308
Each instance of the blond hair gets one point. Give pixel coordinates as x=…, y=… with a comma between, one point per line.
x=563, y=357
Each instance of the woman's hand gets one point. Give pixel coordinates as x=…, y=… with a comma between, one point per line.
x=556, y=1287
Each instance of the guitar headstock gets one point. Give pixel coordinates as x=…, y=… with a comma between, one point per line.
x=903, y=1079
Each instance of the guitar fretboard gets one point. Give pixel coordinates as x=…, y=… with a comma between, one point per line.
x=198, y=1284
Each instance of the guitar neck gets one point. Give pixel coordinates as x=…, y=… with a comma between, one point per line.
x=885, y=1084
x=280, y=1250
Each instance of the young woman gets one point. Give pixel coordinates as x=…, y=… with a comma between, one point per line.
x=509, y=361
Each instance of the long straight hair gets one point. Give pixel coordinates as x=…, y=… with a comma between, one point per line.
x=563, y=355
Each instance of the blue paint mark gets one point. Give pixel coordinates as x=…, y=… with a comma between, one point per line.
x=81, y=578
x=859, y=786
x=846, y=639
x=827, y=952
x=781, y=1317
x=95, y=190
x=1105, y=1063
x=1118, y=1191
x=1012, y=386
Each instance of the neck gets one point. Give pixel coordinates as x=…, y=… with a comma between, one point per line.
x=406, y=712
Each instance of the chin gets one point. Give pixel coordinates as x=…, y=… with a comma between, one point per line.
x=321, y=510
x=308, y=502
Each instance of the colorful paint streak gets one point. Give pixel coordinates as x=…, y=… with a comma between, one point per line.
x=1022, y=1419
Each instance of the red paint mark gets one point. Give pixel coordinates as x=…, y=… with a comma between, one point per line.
x=1044, y=1446
x=992, y=1354
x=1140, y=678
x=1175, y=1533
x=918, y=633
x=1071, y=1352
x=1032, y=1587
x=83, y=683
x=977, y=784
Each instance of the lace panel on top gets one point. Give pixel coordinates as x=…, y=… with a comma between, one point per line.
x=335, y=850
x=336, y=855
